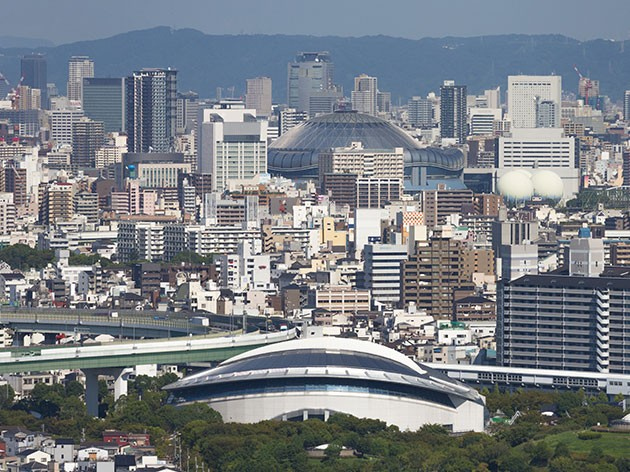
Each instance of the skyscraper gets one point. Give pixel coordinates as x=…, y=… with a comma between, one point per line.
x=453, y=111
x=309, y=73
x=87, y=137
x=34, y=74
x=525, y=92
x=104, y=100
x=258, y=95
x=364, y=94
x=151, y=110
x=79, y=67
x=420, y=112
x=626, y=105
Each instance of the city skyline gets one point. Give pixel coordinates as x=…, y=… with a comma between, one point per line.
x=94, y=21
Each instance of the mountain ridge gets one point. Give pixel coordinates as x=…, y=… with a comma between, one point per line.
x=405, y=67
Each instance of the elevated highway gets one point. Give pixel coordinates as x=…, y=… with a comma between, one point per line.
x=111, y=358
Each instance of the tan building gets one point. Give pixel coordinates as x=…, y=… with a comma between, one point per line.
x=56, y=201
x=432, y=275
x=331, y=236
x=478, y=261
x=442, y=202
x=342, y=299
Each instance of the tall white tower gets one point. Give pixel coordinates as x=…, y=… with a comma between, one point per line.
x=79, y=68
x=526, y=92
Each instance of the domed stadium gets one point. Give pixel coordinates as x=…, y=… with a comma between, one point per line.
x=316, y=377
x=295, y=153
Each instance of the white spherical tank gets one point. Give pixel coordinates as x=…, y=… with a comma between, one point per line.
x=515, y=186
x=548, y=185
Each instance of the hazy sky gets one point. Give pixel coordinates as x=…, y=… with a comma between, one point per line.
x=64, y=21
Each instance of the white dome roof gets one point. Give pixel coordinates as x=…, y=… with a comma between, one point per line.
x=516, y=185
x=548, y=185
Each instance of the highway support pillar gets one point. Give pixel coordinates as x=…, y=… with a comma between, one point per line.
x=91, y=386
x=91, y=391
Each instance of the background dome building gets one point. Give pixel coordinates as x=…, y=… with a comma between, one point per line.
x=316, y=377
x=295, y=154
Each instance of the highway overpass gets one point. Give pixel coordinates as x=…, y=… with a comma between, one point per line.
x=111, y=358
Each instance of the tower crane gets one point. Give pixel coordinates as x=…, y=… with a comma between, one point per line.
x=588, y=85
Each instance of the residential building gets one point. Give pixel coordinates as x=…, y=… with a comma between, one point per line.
x=453, y=112
x=364, y=95
x=151, y=110
x=383, y=272
x=79, y=68
x=87, y=138
x=420, y=112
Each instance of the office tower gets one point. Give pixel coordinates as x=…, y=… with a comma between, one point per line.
x=420, y=112
x=79, y=68
x=524, y=94
x=323, y=102
x=258, y=96
x=310, y=72
x=87, y=137
x=232, y=144
x=290, y=117
x=383, y=271
x=453, y=111
x=187, y=109
x=383, y=102
x=547, y=114
x=62, y=123
x=433, y=273
x=104, y=100
x=493, y=98
x=364, y=94
x=626, y=105
x=151, y=110
x=35, y=76
x=482, y=120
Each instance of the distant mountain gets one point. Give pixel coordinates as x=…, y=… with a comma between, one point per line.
x=18, y=42
x=404, y=67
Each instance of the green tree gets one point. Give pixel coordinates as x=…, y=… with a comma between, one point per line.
x=563, y=464
x=24, y=257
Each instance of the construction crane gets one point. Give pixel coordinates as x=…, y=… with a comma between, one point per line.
x=588, y=85
x=15, y=99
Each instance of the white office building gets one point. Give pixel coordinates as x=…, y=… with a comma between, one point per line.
x=382, y=271
x=543, y=148
x=482, y=120
x=525, y=92
x=364, y=94
x=79, y=68
x=232, y=144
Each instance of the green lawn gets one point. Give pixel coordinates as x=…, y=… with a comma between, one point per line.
x=613, y=444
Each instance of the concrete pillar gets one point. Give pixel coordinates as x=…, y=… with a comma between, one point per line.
x=121, y=385
x=91, y=391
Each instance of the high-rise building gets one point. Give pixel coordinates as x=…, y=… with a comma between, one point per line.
x=453, y=111
x=7, y=213
x=187, y=109
x=57, y=201
x=626, y=105
x=62, y=123
x=151, y=110
x=290, y=117
x=524, y=94
x=482, y=120
x=383, y=271
x=364, y=94
x=86, y=204
x=309, y=73
x=79, y=68
x=420, y=112
x=433, y=274
x=232, y=144
x=547, y=114
x=104, y=100
x=35, y=75
x=258, y=96
x=87, y=137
